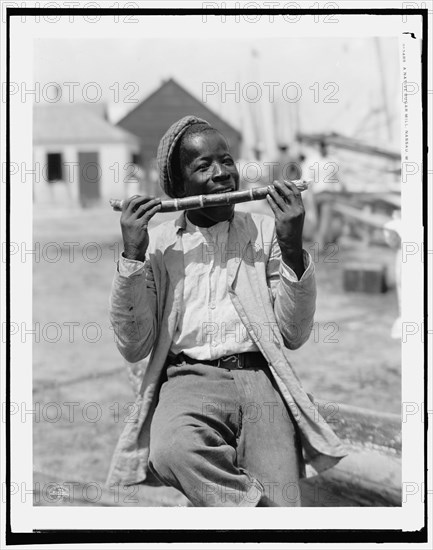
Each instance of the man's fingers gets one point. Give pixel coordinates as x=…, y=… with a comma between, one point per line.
x=289, y=193
x=139, y=200
x=290, y=185
x=128, y=203
x=275, y=209
x=296, y=193
x=288, y=190
x=277, y=198
x=143, y=213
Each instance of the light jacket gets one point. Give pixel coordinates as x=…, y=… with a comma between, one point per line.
x=144, y=311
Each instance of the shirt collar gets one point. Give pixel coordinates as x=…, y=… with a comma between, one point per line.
x=182, y=223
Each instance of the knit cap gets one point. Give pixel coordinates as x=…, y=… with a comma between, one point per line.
x=166, y=148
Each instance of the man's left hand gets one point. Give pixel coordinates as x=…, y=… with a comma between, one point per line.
x=288, y=208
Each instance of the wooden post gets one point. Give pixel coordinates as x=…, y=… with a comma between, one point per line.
x=371, y=473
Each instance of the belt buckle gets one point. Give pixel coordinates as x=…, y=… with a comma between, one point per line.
x=231, y=358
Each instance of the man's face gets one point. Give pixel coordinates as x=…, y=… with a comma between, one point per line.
x=209, y=169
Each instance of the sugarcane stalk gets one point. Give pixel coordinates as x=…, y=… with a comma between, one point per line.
x=215, y=199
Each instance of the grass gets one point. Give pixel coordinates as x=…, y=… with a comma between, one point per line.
x=350, y=357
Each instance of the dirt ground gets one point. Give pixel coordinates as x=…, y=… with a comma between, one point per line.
x=80, y=383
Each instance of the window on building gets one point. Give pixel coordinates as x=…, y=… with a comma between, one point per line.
x=54, y=161
x=136, y=158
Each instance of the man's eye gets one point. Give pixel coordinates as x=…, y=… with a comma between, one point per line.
x=228, y=160
x=203, y=167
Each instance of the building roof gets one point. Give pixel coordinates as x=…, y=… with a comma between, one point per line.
x=76, y=123
x=196, y=107
x=150, y=119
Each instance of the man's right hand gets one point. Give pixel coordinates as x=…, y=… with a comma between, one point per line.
x=136, y=214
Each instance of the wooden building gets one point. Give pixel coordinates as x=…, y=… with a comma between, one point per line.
x=153, y=116
x=80, y=158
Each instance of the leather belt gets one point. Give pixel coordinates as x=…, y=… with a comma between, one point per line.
x=247, y=360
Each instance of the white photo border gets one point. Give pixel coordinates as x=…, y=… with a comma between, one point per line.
x=410, y=518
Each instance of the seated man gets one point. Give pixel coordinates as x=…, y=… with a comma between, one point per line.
x=217, y=299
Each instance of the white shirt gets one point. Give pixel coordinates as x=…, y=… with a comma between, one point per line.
x=209, y=326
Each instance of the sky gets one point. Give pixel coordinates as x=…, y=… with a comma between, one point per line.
x=281, y=84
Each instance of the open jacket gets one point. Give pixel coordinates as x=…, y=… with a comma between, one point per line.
x=144, y=310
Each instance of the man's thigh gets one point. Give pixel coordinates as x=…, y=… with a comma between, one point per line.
x=201, y=392
x=268, y=445
x=193, y=438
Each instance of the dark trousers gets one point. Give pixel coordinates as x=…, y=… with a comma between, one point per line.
x=225, y=437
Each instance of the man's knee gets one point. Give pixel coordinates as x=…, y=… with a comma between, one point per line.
x=168, y=453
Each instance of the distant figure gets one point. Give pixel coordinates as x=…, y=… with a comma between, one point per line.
x=325, y=175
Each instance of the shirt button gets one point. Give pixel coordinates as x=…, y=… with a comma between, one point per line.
x=213, y=305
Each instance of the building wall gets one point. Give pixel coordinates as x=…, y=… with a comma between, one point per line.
x=114, y=169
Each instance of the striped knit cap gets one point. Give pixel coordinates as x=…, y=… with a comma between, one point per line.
x=166, y=148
